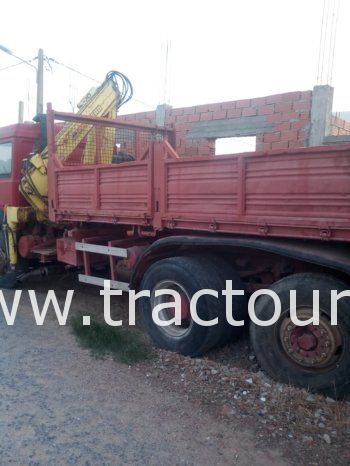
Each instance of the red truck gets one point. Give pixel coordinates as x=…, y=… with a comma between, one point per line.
x=147, y=219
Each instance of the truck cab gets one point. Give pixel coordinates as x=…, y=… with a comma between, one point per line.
x=16, y=143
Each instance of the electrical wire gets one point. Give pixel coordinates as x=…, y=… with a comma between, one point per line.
x=18, y=63
x=74, y=70
x=120, y=81
x=143, y=103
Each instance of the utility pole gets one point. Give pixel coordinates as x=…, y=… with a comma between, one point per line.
x=39, y=76
x=40, y=83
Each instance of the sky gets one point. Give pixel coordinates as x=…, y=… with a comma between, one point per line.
x=217, y=50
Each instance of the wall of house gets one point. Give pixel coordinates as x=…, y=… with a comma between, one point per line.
x=279, y=121
x=339, y=127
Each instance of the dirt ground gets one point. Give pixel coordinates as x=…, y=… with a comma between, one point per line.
x=60, y=405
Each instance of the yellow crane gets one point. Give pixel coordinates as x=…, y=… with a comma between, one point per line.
x=102, y=101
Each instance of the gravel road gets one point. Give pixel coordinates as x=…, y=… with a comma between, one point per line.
x=59, y=405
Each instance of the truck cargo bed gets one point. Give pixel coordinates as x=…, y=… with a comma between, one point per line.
x=301, y=193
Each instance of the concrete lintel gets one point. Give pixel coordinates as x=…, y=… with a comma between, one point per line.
x=231, y=127
x=337, y=139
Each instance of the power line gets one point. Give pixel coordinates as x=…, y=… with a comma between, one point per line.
x=74, y=70
x=48, y=60
x=9, y=52
x=144, y=103
x=92, y=79
x=18, y=63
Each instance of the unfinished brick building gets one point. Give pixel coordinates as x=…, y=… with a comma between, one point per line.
x=280, y=121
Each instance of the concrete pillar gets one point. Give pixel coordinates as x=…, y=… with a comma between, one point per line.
x=40, y=83
x=161, y=112
x=321, y=114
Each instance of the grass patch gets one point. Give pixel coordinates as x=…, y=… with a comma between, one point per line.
x=124, y=345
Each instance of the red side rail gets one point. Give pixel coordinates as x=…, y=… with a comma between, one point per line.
x=302, y=193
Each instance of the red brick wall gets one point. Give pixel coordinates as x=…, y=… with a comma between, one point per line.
x=339, y=127
x=288, y=114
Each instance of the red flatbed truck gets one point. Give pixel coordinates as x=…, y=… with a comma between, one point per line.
x=277, y=220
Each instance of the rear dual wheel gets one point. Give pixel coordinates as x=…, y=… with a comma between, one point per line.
x=187, y=275
x=316, y=357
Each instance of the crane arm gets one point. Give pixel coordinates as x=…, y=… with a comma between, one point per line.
x=103, y=101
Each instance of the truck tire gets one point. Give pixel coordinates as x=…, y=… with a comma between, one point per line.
x=185, y=275
x=225, y=271
x=314, y=357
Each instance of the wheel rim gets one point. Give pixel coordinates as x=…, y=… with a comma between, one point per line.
x=311, y=346
x=172, y=330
